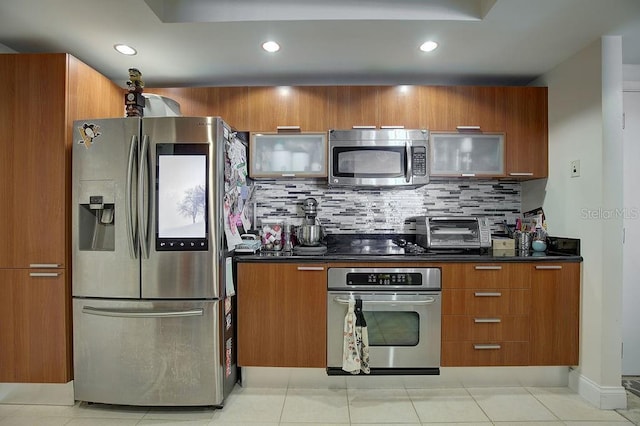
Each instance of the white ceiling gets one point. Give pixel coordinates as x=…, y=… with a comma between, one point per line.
x=217, y=42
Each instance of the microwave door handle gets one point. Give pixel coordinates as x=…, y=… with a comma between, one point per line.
x=409, y=168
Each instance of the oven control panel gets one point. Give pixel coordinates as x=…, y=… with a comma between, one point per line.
x=383, y=278
x=356, y=279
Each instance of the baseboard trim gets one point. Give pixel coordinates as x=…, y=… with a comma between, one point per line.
x=603, y=397
x=37, y=393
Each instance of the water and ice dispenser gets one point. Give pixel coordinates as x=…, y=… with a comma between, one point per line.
x=96, y=214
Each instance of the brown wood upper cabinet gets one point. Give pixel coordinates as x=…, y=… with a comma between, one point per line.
x=357, y=106
x=401, y=106
x=450, y=108
x=526, y=132
x=230, y=103
x=518, y=112
x=308, y=108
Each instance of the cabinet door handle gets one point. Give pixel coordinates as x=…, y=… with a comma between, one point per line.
x=486, y=320
x=289, y=128
x=44, y=274
x=487, y=294
x=548, y=267
x=488, y=268
x=467, y=128
x=288, y=175
x=521, y=174
x=310, y=268
x=392, y=127
x=468, y=175
x=44, y=265
x=363, y=127
x=485, y=347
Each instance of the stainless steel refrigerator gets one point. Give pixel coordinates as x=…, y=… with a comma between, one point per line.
x=152, y=320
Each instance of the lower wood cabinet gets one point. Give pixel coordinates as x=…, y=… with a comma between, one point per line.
x=282, y=315
x=555, y=314
x=471, y=354
x=510, y=314
x=35, y=326
x=500, y=314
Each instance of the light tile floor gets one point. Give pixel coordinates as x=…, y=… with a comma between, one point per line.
x=503, y=406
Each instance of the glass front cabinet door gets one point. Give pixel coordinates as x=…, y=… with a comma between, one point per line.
x=288, y=155
x=467, y=154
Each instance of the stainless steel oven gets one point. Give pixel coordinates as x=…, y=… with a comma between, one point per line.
x=402, y=308
x=386, y=157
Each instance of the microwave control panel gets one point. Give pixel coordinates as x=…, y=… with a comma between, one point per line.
x=419, y=160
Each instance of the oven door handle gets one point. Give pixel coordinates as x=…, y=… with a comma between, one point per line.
x=425, y=301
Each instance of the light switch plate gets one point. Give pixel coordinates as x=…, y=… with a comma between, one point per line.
x=575, y=168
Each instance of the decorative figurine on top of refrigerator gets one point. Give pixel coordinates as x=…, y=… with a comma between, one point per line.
x=133, y=99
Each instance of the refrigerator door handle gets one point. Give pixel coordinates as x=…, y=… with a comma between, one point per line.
x=143, y=211
x=132, y=225
x=125, y=313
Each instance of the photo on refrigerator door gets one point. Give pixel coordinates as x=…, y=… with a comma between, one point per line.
x=182, y=194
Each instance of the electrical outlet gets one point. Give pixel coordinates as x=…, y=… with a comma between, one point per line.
x=575, y=168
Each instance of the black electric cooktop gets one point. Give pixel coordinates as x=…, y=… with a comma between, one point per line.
x=382, y=245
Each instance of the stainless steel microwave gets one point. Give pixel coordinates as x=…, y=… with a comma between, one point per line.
x=377, y=158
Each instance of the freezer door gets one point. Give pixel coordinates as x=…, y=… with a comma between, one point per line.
x=181, y=185
x=147, y=353
x=104, y=217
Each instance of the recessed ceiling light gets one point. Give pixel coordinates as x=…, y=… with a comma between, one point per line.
x=271, y=46
x=429, y=46
x=125, y=50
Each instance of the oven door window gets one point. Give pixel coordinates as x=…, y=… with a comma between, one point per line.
x=392, y=328
x=369, y=162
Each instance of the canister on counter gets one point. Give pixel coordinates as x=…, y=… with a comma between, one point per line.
x=523, y=242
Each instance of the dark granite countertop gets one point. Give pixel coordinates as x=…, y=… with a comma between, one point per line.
x=560, y=250
x=485, y=257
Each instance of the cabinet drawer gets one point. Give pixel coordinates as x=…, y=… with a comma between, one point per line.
x=482, y=275
x=484, y=353
x=485, y=328
x=486, y=302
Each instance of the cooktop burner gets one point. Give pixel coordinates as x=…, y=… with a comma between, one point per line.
x=380, y=245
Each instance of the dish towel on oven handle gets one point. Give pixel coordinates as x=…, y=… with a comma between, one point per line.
x=350, y=353
x=362, y=338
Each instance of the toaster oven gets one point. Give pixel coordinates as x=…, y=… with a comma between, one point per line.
x=453, y=232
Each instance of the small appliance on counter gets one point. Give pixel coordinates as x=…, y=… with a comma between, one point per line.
x=250, y=244
x=453, y=232
x=310, y=233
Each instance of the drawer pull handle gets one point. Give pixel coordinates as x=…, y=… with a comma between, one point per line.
x=520, y=174
x=310, y=268
x=485, y=347
x=44, y=265
x=487, y=320
x=467, y=174
x=44, y=274
x=467, y=128
x=487, y=294
x=549, y=267
x=288, y=175
x=488, y=268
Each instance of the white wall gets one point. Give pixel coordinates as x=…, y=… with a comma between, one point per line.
x=585, y=123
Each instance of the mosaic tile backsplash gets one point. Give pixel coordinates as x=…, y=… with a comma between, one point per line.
x=375, y=210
